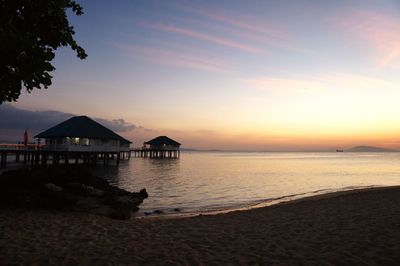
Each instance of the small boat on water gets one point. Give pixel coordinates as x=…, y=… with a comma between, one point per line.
x=338, y=150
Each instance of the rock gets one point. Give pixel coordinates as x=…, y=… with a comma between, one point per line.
x=120, y=214
x=87, y=188
x=67, y=188
x=177, y=210
x=52, y=187
x=143, y=193
x=124, y=202
x=97, y=193
x=74, y=188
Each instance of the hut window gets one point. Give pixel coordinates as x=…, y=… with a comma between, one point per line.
x=75, y=141
x=84, y=142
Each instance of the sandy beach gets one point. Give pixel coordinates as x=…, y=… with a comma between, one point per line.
x=359, y=227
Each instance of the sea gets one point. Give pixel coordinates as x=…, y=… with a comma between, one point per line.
x=215, y=182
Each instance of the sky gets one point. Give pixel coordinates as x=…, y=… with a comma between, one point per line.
x=234, y=75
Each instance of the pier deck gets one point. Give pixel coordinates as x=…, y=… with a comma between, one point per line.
x=156, y=153
x=44, y=157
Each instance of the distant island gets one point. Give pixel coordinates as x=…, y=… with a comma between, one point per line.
x=369, y=149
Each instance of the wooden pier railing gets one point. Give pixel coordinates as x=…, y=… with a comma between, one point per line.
x=44, y=157
x=156, y=153
x=34, y=154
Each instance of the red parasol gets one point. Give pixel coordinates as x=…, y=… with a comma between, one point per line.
x=26, y=138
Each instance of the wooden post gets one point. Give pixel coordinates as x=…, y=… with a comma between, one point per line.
x=3, y=159
x=44, y=158
x=32, y=158
x=118, y=157
x=37, y=157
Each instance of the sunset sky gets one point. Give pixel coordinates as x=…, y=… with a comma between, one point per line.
x=237, y=75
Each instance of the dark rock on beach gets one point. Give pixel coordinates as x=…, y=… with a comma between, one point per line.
x=67, y=188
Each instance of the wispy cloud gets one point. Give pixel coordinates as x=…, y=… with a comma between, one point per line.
x=380, y=32
x=349, y=80
x=206, y=37
x=339, y=81
x=284, y=85
x=247, y=23
x=174, y=58
x=249, y=28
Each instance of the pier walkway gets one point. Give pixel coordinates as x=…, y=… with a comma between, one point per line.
x=43, y=157
x=156, y=153
x=34, y=155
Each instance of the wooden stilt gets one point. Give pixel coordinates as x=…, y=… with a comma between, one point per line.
x=3, y=161
x=44, y=158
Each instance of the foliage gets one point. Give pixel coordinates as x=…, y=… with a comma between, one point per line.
x=30, y=32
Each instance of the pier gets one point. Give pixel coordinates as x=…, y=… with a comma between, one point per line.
x=106, y=148
x=155, y=153
x=36, y=157
x=160, y=147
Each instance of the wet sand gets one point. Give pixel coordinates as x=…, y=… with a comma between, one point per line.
x=360, y=227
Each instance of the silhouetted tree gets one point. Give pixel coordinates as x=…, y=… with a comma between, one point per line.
x=30, y=32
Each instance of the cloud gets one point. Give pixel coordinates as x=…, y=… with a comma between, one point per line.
x=343, y=81
x=15, y=118
x=206, y=37
x=284, y=86
x=380, y=32
x=248, y=28
x=180, y=59
x=246, y=23
x=118, y=125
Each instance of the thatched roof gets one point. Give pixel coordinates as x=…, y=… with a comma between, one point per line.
x=161, y=140
x=81, y=127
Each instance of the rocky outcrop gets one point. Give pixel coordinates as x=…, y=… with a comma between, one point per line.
x=67, y=188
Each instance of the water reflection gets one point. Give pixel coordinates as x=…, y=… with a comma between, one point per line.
x=163, y=168
x=206, y=181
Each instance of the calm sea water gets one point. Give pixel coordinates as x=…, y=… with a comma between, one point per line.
x=211, y=181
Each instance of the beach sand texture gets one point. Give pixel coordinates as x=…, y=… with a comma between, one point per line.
x=352, y=228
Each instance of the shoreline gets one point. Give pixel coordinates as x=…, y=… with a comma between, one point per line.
x=349, y=227
x=287, y=199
